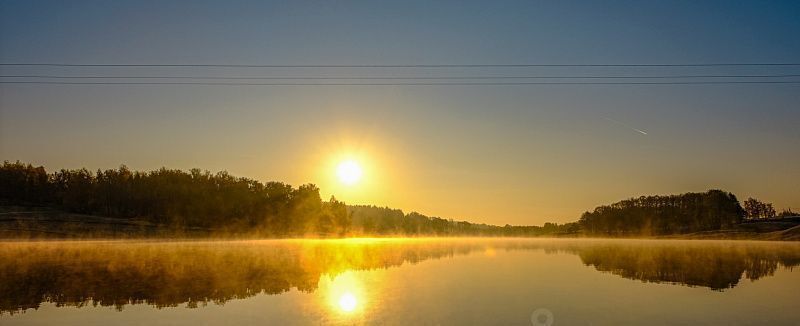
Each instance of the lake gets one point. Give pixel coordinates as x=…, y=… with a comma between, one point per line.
x=400, y=281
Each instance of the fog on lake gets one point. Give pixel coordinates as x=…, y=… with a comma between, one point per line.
x=400, y=281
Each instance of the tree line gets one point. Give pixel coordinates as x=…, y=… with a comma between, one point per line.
x=673, y=214
x=756, y=209
x=373, y=220
x=181, y=199
x=219, y=201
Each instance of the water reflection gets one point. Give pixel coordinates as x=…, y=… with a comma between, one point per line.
x=164, y=274
x=345, y=293
x=716, y=265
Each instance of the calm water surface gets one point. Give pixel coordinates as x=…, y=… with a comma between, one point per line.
x=400, y=281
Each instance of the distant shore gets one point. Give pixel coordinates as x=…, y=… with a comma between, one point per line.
x=18, y=222
x=790, y=234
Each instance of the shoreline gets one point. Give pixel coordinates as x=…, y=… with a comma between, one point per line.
x=30, y=224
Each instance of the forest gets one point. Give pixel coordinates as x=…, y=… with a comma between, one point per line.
x=179, y=199
x=673, y=214
x=227, y=204
x=220, y=202
x=372, y=220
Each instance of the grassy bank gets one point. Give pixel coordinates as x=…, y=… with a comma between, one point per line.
x=18, y=222
x=46, y=223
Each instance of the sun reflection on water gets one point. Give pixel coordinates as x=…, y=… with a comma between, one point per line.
x=345, y=293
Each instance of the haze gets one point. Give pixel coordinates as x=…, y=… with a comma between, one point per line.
x=517, y=154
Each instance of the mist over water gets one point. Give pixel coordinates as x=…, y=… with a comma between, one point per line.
x=430, y=281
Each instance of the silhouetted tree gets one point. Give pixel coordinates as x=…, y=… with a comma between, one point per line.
x=370, y=220
x=25, y=184
x=200, y=199
x=689, y=212
x=182, y=199
x=758, y=209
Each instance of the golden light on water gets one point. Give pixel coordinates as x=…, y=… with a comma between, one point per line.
x=490, y=252
x=344, y=293
x=349, y=172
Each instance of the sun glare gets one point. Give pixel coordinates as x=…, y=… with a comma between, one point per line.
x=344, y=293
x=347, y=302
x=349, y=172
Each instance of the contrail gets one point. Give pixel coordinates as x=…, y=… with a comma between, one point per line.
x=626, y=126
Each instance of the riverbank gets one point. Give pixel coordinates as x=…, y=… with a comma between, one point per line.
x=789, y=234
x=18, y=222
x=46, y=223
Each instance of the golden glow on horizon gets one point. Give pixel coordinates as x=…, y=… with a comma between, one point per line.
x=354, y=171
x=349, y=172
x=378, y=174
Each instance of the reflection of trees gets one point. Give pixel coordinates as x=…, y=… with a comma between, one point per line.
x=717, y=265
x=167, y=274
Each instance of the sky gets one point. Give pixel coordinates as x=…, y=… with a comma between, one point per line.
x=516, y=154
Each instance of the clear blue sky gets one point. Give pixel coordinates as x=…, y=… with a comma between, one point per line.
x=498, y=154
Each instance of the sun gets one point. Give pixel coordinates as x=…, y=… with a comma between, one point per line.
x=349, y=172
x=347, y=302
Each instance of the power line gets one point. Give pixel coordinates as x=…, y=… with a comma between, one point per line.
x=404, y=84
x=396, y=77
x=728, y=64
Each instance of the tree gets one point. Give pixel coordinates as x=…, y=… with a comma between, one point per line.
x=758, y=209
x=684, y=213
x=196, y=199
